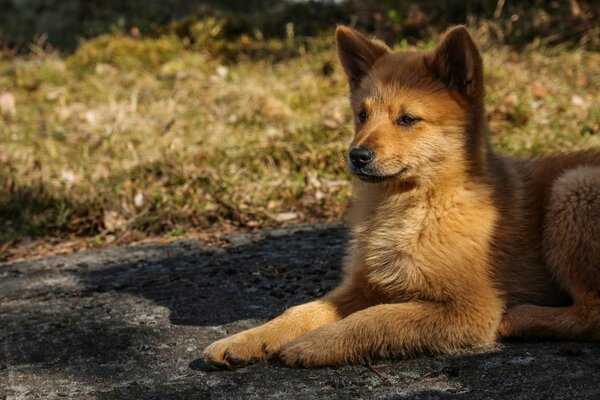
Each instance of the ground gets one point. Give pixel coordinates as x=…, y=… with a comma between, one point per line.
x=131, y=322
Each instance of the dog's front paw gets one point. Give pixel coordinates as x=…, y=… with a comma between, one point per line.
x=298, y=355
x=309, y=351
x=236, y=351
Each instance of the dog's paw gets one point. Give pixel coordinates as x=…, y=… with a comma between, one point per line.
x=504, y=329
x=297, y=355
x=238, y=350
x=308, y=352
x=510, y=326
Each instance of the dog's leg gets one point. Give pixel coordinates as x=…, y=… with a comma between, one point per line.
x=262, y=342
x=529, y=321
x=572, y=245
x=388, y=330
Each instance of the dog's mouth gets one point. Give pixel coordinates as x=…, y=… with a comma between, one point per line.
x=370, y=176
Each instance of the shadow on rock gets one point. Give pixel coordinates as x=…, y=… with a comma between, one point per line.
x=119, y=316
x=204, y=286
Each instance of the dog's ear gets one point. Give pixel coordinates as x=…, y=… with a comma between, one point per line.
x=457, y=62
x=357, y=53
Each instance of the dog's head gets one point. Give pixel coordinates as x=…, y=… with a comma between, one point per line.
x=414, y=112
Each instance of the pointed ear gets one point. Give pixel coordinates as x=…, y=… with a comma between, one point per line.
x=457, y=62
x=357, y=53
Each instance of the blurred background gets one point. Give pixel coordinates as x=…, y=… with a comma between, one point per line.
x=127, y=121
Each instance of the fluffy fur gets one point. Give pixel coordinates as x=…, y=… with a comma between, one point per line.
x=453, y=245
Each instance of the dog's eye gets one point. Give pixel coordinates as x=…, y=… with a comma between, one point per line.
x=362, y=116
x=407, y=120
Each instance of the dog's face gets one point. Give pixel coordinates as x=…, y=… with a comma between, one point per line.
x=411, y=109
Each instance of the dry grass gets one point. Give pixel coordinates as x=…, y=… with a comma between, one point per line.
x=130, y=138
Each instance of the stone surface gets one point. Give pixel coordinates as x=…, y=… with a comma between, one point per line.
x=131, y=322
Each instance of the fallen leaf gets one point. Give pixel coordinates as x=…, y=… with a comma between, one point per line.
x=272, y=204
x=330, y=123
x=222, y=71
x=139, y=200
x=578, y=101
x=69, y=177
x=272, y=107
x=313, y=180
x=335, y=184
x=539, y=91
x=105, y=69
x=113, y=221
x=286, y=216
x=8, y=104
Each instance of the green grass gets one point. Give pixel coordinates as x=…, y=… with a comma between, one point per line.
x=129, y=138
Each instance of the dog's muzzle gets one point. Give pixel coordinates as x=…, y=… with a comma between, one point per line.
x=361, y=157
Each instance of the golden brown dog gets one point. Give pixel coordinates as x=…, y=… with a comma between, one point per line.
x=453, y=245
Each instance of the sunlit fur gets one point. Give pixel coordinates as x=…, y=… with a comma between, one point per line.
x=452, y=245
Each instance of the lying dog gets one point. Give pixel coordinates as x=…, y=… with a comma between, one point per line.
x=453, y=245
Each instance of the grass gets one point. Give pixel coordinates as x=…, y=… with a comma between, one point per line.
x=130, y=137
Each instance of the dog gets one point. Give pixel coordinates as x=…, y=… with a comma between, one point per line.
x=452, y=245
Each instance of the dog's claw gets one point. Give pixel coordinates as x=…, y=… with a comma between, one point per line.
x=235, y=362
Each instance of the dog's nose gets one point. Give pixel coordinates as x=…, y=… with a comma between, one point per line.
x=361, y=156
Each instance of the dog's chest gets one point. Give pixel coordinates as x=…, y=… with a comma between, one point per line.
x=404, y=253
x=389, y=249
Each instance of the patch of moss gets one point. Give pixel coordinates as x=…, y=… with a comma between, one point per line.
x=125, y=52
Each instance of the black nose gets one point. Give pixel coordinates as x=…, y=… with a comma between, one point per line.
x=361, y=156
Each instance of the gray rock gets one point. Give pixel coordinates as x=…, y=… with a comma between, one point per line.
x=131, y=322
